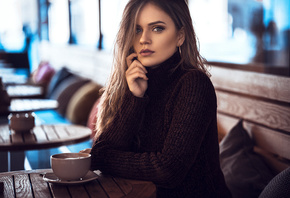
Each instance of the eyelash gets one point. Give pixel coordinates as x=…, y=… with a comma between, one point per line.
x=157, y=29
x=138, y=30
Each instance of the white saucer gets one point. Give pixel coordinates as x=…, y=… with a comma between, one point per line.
x=51, y=178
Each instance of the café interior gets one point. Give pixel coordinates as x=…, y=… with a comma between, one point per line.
x=55, y=56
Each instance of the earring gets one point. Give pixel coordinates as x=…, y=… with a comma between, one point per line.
x=179, y=48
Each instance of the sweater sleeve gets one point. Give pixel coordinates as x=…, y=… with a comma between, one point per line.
x=194, y=110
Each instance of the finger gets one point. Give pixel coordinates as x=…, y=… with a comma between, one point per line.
x=134, y=68
x=85, y=151
x=137, y=65
x=141, y=66
x=130, y=58
x=135, y=75
x=82, y=151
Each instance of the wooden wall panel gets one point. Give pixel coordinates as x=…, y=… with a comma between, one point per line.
x=270, y=140
x=265, y=113
x=255, y=84
x=275, y=163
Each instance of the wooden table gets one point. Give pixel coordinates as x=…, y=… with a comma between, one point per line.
x=24, y=91
x=31, y=184
x=30, y=105
x=42, y=137
x=13, y=75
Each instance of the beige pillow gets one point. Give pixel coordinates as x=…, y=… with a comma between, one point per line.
x=81, y=103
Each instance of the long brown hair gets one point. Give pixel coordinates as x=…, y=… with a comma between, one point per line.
x=112, y=96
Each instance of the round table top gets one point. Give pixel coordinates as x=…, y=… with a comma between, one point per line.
x=29, y=105
x=24, y=91
x=42, y=137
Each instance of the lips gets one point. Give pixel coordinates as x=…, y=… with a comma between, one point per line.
x=146, y=52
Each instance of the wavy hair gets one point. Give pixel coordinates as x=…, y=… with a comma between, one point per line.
x=113, y=93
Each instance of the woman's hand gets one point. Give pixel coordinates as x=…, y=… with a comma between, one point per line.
x=88, y=150
x=136, y=76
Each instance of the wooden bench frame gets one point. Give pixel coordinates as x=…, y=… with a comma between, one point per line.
x=263, y=101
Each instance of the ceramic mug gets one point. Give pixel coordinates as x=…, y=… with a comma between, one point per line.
x=70, y=166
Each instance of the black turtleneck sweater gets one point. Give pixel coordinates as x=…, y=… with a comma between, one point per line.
x=168, y=137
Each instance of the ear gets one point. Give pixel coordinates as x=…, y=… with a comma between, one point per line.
x=180, y=37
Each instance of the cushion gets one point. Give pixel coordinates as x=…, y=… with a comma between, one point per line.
x=92, y=120
x=245, y=172
x=278, y=187
x=58, y=77
x=43, y=74
x=65, y=91
x=81, y=103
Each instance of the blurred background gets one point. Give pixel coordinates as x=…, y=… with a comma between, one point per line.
x=233, y=33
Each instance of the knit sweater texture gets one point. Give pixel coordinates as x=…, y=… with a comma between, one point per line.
x=168, y=137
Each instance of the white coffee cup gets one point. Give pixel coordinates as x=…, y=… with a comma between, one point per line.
x=70, y=166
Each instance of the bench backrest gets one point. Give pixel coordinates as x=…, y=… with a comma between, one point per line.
x=263, y=101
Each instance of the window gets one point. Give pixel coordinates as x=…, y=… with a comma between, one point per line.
x=58, y=17
x=85, y=22
x=244, y=32
x=111, y=12
x=12, y=37
x=18, y=28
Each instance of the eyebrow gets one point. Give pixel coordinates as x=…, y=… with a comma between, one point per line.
x=156, y=22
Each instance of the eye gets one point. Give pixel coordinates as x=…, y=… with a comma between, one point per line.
x=138, y=30
x=158, y=29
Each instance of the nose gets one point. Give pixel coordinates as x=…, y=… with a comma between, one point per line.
x=145, y=38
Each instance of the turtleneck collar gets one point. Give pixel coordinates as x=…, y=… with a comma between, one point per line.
x=160, y=76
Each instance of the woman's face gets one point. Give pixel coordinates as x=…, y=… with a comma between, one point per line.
x=156, y=36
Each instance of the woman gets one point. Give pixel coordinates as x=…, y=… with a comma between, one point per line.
x=157, y=118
